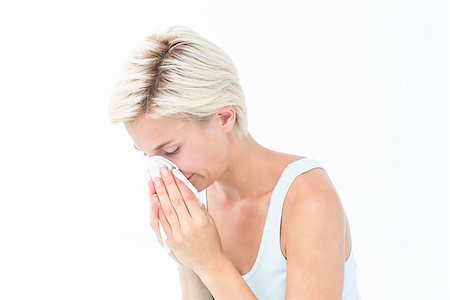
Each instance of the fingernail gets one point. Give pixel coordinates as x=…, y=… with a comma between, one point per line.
x=157, y=182
x=165, y=172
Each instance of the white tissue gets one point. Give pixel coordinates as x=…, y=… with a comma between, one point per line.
x=155, y=164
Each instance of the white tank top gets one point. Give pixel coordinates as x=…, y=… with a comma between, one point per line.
x=267, y=278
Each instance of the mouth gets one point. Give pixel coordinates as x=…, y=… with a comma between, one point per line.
x=189, y=178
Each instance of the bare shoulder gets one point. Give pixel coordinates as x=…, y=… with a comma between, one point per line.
x=311, y=188
x=314, y=232
x=312, y=180
x=311, y=199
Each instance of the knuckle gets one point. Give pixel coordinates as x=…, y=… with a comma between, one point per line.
x=202, y=221
x=175, y=241
x=177, y=201
x=169, y=212
x=187, y=230
x=168, y=179
x=160, y=190
x=190, y=198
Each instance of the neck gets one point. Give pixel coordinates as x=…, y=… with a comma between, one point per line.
x=248, y=173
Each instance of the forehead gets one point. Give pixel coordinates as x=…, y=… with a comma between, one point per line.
x=147, y=132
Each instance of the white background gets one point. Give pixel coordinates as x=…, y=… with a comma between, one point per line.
x=362, y=87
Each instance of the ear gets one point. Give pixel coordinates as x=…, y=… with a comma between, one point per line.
x=227, y=117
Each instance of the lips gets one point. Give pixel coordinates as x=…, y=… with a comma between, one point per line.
x=189, y=178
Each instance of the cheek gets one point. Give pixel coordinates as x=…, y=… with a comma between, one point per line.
x=193, y=161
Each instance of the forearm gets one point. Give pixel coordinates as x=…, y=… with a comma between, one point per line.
x=191, y=285
x=225, y=282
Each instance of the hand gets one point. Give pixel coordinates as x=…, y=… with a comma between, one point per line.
x=155, y=206
x=191, y=232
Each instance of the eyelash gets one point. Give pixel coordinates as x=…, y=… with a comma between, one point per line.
x=169, y=153
x=172, y=153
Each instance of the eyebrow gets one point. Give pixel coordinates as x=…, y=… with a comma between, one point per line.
x=157, y=148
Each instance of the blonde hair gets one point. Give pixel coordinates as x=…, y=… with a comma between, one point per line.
x=178, y=74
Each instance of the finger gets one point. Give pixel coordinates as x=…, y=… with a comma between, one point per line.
x=154, y=222
x=190, y=200
x=165, y=224
x=166, y=205
x=152, y=192
x=151, y=188
x=176, y=198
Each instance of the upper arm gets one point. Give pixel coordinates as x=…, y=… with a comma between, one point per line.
x=314, y=230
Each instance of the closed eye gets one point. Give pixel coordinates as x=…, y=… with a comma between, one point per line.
x=168, y=153
x=172, y=153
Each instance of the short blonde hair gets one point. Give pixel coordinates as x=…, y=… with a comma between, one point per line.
x=178, y=74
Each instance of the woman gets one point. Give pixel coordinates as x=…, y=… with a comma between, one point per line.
x=266, y=232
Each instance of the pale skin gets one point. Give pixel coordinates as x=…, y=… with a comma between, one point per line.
x=240, y=176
